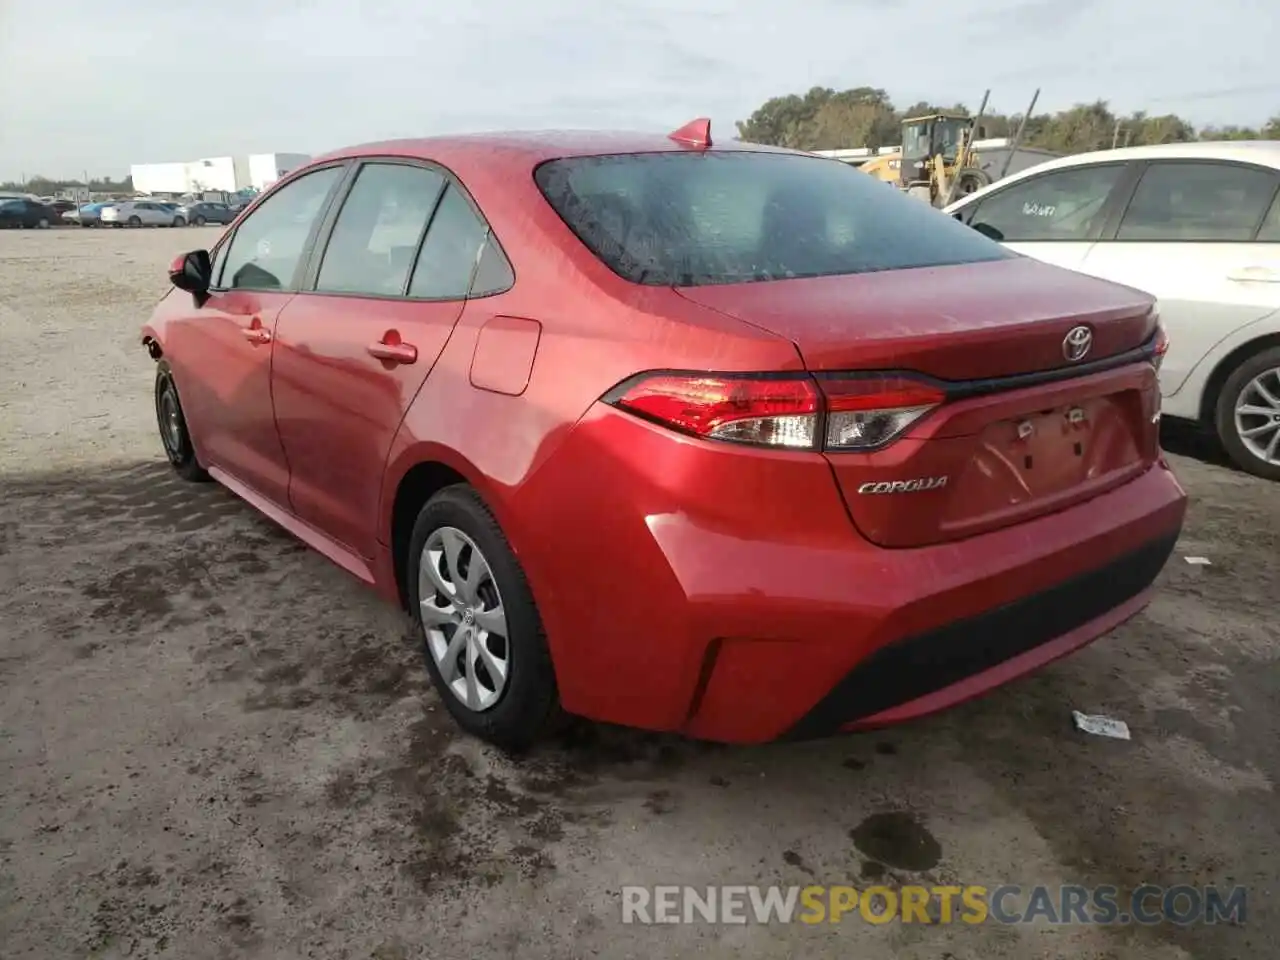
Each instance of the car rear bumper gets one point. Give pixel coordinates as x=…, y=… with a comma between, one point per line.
x=929, y=671
x=725, y=594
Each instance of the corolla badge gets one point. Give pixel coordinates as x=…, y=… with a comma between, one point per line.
x=918, y=485
x=1076, y=344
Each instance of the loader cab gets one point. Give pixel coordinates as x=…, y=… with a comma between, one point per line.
x=926, y=137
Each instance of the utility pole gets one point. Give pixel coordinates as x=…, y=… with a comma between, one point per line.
x=1017, y=137
x=1115, y=137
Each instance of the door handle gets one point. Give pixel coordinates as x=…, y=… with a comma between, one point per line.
x=256, y=333
x=392, y=349
x=1255, y=275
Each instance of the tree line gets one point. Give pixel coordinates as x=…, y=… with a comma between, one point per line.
x=826, y=119
x=46, y=186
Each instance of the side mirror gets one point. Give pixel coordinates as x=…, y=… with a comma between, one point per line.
x=193, y=272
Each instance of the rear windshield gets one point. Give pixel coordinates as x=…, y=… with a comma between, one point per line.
x=689, y=219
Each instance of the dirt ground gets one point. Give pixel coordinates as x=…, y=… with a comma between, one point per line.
x=215, y=744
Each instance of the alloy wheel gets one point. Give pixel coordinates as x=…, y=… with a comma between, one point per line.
x=462, y=614
x=1257, y=416
x=170, y=418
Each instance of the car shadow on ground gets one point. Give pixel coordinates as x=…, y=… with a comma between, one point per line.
x=320, y=727
x=1193, y=440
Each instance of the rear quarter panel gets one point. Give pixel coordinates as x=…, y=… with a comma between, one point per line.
x=596, y=330
x=1187, y=401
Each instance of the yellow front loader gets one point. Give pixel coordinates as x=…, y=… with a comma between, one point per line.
x=937, y=161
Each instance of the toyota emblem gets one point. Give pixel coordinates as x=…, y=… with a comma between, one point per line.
x=1076, y=344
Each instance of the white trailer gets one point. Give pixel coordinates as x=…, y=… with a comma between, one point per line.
x=214, y=174
x=159, y=178
x=266, y=168
x=185, y=176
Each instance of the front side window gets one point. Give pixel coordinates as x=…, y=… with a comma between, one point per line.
x=1192, y=202
x=916, y=143
x=1066, y=205
x=265, y=252
x=450, y=251
x=689, y=219
x=377, y=232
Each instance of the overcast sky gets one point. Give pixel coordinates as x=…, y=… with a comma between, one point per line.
x=99, y=84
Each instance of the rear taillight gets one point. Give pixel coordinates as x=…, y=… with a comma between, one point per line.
x=854, y=413
x=772, y=412
x=868, y=412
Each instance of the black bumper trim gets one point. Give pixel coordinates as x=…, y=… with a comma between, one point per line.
x=928, y=662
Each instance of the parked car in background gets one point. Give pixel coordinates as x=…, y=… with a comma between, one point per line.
x=25, y=213
x=204, y=211
x=727, y=440
x=1198, y=226
x=142, y=213
x=59, y=207
x=87, y=215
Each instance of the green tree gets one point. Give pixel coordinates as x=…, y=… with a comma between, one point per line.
x=824, y=119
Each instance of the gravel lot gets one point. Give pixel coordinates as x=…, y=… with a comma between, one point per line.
x=215, y=744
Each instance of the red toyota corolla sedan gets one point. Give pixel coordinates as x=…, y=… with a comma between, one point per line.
x=720, y=439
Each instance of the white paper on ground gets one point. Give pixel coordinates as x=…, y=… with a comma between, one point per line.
x=1198, y=561
x=1101, y=726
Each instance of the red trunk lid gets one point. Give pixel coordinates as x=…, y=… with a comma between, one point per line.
x=1002, y=454
x=967, y=322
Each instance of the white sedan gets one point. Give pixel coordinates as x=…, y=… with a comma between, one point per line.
x=1198, y=226
x=142, y=213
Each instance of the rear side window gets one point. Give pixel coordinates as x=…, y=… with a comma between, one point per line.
x=376, y=235
x=688, y=219
x=450, y=251
x=493, y=272
x=1191, y=202
x=1063, y=206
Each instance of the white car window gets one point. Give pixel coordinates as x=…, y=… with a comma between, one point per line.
x=1270, y=232
x=1190, y=202
x=1063, y=205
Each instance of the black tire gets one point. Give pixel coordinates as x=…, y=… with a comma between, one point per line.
x=528, y=705
x=1224, y=419
x=135, y=221
x=172, y=424
x=198, y=221
x=179, y=222
x=970, y=180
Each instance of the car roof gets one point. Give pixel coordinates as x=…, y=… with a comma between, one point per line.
x=526, y=148
x=1262, y=152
